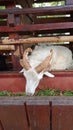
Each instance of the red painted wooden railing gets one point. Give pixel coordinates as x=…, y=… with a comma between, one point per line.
x=36, y=113
x=15, y=82
x=10, y=14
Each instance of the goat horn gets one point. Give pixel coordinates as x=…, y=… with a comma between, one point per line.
x=24, y=63
x=41, y=67
x=45, y=65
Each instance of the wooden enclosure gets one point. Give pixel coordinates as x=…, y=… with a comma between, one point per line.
x=20, y=27
x=32, y=113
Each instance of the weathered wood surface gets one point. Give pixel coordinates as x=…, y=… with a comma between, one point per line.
x=32, y=113
x=34, y=40
x=37, y=27
x=14, y=22
x=12, y=81
x=7, y=47
x=49, y=10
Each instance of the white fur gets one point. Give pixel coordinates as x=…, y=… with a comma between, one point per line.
x=61, y=59
x=62, y=56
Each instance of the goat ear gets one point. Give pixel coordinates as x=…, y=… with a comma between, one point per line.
x=21, y=62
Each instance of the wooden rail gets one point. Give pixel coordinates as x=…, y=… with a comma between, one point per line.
x=49, y=10
x=34, y=40
x=36, y=113
x=16, y=82
x=37, y=27
x=49, y=24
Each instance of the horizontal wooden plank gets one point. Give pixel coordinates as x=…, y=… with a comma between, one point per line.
x=49, y=10
x=36, y=112
x=63, y=80
x=35, y=40
x=12, y=79
x=36, y=100
x=37, y=27
x=11, y=74
x=7, y=47
x=60, y=82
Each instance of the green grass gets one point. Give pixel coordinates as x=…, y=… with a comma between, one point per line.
x=54, y=92
x=47, y=92
x=5, y=93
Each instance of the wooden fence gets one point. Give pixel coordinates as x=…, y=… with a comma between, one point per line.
x=16, y=82
x=36, y=113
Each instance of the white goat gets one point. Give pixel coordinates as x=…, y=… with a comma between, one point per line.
x=41, y=60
